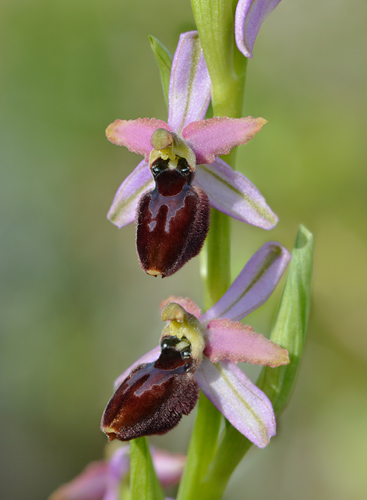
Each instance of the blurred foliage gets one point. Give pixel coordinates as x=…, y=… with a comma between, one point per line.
x=75, y=307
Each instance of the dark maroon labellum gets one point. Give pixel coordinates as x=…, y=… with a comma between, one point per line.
x=173, y=220
x=153, y=398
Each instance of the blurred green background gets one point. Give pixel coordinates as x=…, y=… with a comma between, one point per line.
x=76, y=309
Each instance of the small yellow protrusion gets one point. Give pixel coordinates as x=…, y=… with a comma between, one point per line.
x=153, y=272
x=110, y=433
x=161, y=139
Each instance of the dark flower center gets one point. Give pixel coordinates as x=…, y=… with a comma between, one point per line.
x=169, y=179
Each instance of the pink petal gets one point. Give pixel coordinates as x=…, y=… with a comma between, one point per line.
x=126, y=200
x=232, y=193
x=242, y=403
x=90, y=484
x=254, y=284
x=188, y=304
x=250, y=14
x=189, y=91
x=118, y=467
x=135, y=135
x=217, y=136
x=168, y=466
x=147, y=358
x=235, y=342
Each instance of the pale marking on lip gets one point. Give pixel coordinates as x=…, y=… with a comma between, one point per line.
x=153, y=272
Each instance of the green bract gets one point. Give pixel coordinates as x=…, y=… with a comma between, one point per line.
x=164, y=60
x=291, y=322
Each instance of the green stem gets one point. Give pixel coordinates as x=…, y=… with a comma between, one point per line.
x=217, y=249
x=202, y=448
x=227, y=68
x=230, y=451
x=232, y=448
x=216, y=258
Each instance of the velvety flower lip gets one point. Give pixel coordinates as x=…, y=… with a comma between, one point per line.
x=101, y=480
x=250, y=14
x=218, y=341
x=189, y=95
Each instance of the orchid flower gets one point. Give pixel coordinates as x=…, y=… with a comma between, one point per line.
x=201, y=350
x=250, y=14
x=169, y=192
x=101, y=480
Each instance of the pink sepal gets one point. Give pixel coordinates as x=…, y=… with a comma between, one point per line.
x=189, y=91
x=242, y=403
x=253, y=286
x=126, y=201
x=250, y=14
x=233, y=194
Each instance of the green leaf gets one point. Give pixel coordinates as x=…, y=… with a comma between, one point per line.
x=291, y=322
x=144, y=484
x=164, y=60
